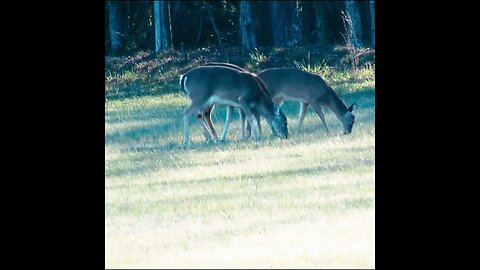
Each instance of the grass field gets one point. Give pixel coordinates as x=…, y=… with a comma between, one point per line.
x=304, y=202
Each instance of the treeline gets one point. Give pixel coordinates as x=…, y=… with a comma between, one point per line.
x=132, y=26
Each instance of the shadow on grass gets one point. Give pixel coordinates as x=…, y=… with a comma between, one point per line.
x=237, y=197
x=146, y=158
x=164, y=136
x=134, y=90
x=173, y=115
x=134, y=134
x=265, y=176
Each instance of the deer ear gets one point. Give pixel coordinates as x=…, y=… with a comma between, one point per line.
x=351, y=107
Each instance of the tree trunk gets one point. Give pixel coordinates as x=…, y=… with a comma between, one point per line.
x=114, y=25
x=372, y=20
x=285, y=23
x=354, y=24
x=320, y=22
x=180, y=32
x=247, y=26
x=129, y=40
x=163, y=34
x=157, y=17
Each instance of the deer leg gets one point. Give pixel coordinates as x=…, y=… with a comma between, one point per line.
x=319, y=111
x=199, y=116
x=301, y=115
x=246, y=129
x=206, y=133
x=257, y=118
x=227, y=122
x=279, y=101
x=194, y=107
x=207, y=124
x=255, y=132
x=250, y=117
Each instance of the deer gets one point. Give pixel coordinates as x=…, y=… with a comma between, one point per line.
x=310, y=90
x=205, y=115
x=307, y=88
x=207, y=86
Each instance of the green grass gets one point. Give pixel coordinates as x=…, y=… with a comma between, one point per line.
x=308, y=201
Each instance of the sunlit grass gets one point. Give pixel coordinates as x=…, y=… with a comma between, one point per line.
x=307, y=202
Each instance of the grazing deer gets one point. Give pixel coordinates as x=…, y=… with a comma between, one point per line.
x=308, y=89
x=219, y=85
x=297, y=85
x=206, y=114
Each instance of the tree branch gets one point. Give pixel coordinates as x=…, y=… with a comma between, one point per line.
x=199, y=30
x=213, y=24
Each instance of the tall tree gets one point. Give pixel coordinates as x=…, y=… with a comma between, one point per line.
x=114, y=26
x=372, y=21
x=320, y=22
x=163, y=33
x=285, y=23
x=247, y=26
x=354, y=25
x=180, y=32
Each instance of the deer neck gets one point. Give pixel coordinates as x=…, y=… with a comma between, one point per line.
x=267, y=112
x=335, y=104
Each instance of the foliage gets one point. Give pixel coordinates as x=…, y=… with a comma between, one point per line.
x=200, y=24
x=155, y=74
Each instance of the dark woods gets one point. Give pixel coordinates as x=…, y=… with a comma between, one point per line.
x=133, y=26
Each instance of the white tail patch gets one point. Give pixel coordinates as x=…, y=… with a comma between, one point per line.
x=184, y=84
x=180, y=82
